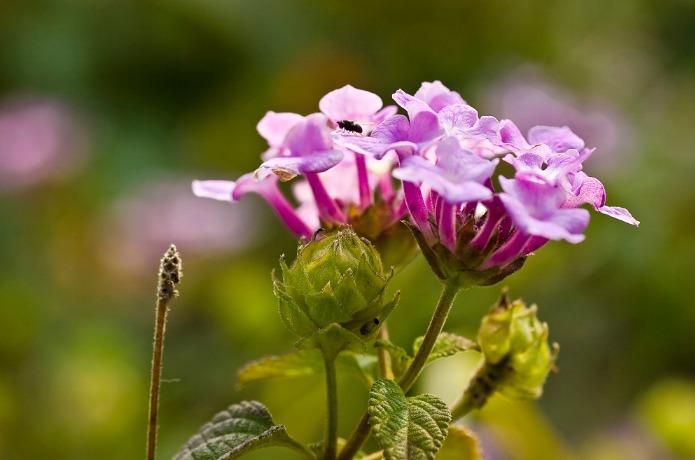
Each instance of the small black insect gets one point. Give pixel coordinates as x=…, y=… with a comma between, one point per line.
x=369, y=326
x=349, y=125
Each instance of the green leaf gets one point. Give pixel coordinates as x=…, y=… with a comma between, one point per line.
x=240, y=429
x=407, y=428
x=447, y=344
x=461, y=444
x=399, y=357
x=299, y=364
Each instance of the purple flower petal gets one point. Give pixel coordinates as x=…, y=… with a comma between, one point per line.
x=559, y=139
x=220, y=190
x=620, y=214
x=511, y=139
x=585, y=189
x=458, y=175
x=590, y=190
x=438, y=96
x=266, y=187
x=275, y=126
x=288, y=167
x=462, y=165
x=371, y=146
x=308, y=136
x=534, y=207
x=511, y=135
x=232, y=191
x=349, y=103
x=411, y=104
x=395, y=133
x=383, y=114
x=248, y=183
x=425, y=128
x=553, y=170
x=393, y=129
x=461, y=116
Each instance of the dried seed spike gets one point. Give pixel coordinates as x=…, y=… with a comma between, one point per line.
x=170, y=273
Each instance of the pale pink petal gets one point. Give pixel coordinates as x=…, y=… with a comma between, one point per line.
x=275, y=126
x=349, y=103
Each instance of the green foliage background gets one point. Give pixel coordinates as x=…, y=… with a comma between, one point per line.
x=172, y=91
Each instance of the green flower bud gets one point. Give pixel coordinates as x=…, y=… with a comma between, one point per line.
x=516, y=356
x=337, y=279
x=511, y=337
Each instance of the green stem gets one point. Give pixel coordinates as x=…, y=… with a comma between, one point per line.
x=357, y=439
x=383, y=356
x=331, y=435
x=446, y=300
x=461, y=408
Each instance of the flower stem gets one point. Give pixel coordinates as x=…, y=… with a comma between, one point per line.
x=357, y=439
x=169, y=275
x=383, y=356
x=446, y=300
x=481, y=387
x=331, y=435
x=156, y=376
x=327, y=208
x=461, y=408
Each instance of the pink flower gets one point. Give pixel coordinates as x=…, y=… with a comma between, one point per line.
x=445, y=156
x=39, y=139
x=337, y=184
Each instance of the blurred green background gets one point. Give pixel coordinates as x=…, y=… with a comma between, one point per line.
x=108, y=109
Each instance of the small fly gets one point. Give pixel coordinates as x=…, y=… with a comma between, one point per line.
x=357, y=127
x=349, y=125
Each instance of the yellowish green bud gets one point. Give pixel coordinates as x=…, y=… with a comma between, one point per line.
x=512, y=337
x=516, y=356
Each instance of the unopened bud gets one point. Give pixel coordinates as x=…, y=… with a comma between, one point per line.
x=512, y=336
x=338, y=279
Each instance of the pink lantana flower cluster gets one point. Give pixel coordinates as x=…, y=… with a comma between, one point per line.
x=366, y=166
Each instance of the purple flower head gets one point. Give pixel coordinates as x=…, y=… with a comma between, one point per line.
x=444, y=154
x=338, y=187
